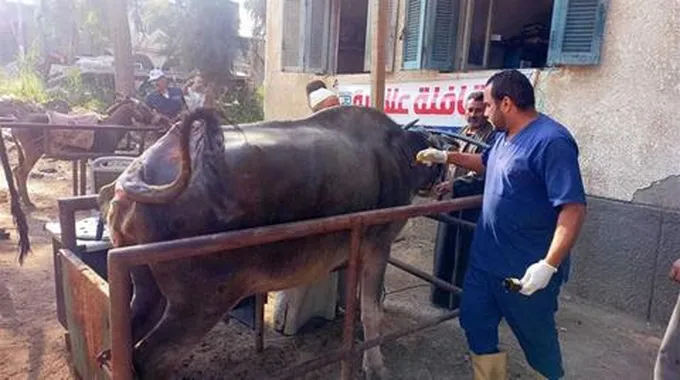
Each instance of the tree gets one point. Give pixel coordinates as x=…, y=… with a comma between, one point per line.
x=122, y=46
x=202, y=34
x=211, y=41
x=258, y=12
x=73, y=27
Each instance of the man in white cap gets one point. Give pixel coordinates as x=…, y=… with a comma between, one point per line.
x=294, y=307
x=169, y=101
x=321, y=97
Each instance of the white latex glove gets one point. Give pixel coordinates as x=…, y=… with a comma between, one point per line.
x=537, y=277
x=675, y=271
x=431, y=156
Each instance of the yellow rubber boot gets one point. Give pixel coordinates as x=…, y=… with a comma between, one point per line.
x=490, y=367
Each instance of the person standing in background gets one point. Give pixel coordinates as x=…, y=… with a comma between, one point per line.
x=461, y=182
x=320, y=97
x=667, y=365
x=197, y=94
x=168, y=101
x=294, y=307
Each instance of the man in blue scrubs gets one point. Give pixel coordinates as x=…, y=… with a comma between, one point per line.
x=167, y=100
x=533, y=209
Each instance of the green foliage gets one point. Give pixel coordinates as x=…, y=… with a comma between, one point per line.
x=25, y=84
x=94, y=92
x=73, y=27
x=242, y=105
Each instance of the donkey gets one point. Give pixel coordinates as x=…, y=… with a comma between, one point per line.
x=31, y=142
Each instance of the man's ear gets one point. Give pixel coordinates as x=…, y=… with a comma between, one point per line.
x=506, y=104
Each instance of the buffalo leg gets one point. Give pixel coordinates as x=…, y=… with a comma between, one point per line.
x=374, y=264
x=186, y=320
x=147, y=303
x=21, y=172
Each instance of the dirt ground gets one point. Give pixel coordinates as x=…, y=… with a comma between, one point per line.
x=597, y=343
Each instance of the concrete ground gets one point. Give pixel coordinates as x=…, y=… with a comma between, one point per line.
x=597, y=343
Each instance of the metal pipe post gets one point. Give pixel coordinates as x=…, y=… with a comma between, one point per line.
x=352, y=275
x=120, y=287
x=424, y=275
x=452, y=220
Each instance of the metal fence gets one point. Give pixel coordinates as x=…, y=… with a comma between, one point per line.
x=121, y=260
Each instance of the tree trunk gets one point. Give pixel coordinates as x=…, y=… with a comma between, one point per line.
x=122, y=46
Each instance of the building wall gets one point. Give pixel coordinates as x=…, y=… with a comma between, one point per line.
x=624, y=114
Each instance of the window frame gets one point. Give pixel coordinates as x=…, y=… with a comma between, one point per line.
x=559, y=27
x=307, y=29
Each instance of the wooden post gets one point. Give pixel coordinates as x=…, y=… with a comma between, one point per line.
x=465, y=51
x=379, y=36
x=259, y=321
x=487, y=41
x=83, y=176
x=119, y=31
x=74, y=171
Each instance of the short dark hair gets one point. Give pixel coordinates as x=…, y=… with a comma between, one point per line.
x=477, y=96
x=315, y=85
x=514, y=85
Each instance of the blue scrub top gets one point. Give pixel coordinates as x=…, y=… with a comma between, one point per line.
x=528, y=177
x=169, y=106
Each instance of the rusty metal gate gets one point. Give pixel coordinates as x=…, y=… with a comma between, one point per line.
x=83, y=298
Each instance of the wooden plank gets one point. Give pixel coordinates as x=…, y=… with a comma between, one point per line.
x=86, y=301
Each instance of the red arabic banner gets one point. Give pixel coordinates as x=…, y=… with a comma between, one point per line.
x=439, y=103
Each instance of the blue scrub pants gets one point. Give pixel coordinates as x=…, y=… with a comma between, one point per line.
x=532, y=319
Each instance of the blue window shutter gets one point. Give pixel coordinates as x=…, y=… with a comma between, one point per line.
x=413, y=33
x=440, y=36
x=577, y=30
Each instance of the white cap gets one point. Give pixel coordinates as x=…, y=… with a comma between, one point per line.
x=155, y=74
x=318, y=96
